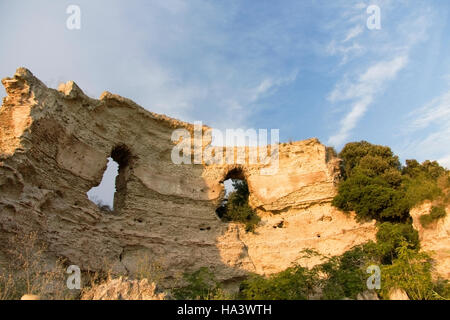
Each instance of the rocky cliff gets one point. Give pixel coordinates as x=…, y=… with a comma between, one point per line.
x=434, y=239
x=54, y=146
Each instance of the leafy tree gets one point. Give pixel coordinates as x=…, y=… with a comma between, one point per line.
x=376, y=187
x=354, y=152
x=345, y=275
x=421, y=181
x=431, y=169
x=371, y=198
x=411, y=271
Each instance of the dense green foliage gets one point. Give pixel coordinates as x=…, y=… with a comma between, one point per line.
x=237, y=208
x=435, y=214
x=389, y=238
x=294, y=283
x=375, y=185
x=411, y=271
x=337, y=278
x=372, y=158
x=421, y=181
x=199, y=285
x=345, y=275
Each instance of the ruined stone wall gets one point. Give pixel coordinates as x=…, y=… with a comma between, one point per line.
x=54, y=146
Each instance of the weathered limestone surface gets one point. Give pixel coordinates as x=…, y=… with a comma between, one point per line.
x=434, y=239
x=54, y=146
x=123, y=289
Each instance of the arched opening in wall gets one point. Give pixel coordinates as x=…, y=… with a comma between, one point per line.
x=109, y=195
x=235, y=206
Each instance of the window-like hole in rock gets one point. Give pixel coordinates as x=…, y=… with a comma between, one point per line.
x=235, y=206
x=103, y=194
x=109, y=194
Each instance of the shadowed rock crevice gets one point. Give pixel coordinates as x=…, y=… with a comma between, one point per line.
x=122, y=155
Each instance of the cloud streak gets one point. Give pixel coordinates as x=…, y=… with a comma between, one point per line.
x=431, y=125
x=361, y=93
x=387, y=52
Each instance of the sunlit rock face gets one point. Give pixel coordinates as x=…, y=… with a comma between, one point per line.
x=435, y=238
x=54, y=146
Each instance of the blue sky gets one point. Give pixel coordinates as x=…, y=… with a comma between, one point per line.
x=309, y=68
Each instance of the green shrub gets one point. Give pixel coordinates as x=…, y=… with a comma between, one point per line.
x=411, y=271
x=435, y=214
x=420, y=188
x=199, y=285
x=391, y=236
x=345, y=275
x=371, y=198
x=341, y=276
x=429, y=169
x=442, y=289
x=376, y=187
x=294, y=283
x=237, y=208
x=354, y=153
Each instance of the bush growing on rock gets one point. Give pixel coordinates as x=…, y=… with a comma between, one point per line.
x=344, y=277
x=375, y=185
x=411, y=271
x=237, y=208
x=391, y=235
x=435, y=214
x=200, y=285
x=294, y=283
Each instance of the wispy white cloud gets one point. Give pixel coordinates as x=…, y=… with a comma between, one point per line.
x=430, y=125
x=270, y=84
x=436, y=112
x=361, y=94
x=434, y=145
x=386, y=53
x=354, y=32
x=347, y=52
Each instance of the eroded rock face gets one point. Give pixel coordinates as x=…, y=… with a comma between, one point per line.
x=54, y=146
x=123, y=289
x=434, y=239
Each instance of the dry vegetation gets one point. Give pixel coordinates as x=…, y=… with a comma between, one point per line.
x=29, y=273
